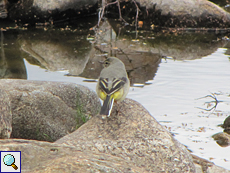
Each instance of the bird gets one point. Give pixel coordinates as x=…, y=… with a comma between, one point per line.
x=113, y=84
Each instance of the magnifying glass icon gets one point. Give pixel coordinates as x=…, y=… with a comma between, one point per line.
x=9, y=160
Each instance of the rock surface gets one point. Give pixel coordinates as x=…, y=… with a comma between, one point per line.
x=40, y=157
x=48, y=110
x=205, y=166
x=134, y=135
x=222, y=139
x=5, y=116
x=226, y=125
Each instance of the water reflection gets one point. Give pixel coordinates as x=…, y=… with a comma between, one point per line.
x=56, y=50
x=11, y=63
x=79, y=50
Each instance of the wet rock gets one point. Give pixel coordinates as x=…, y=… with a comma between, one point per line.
x=183, y=13
x=133, y=134
x=5, y=116
x=226, y=125
x=48, y=110
x=3, y=9
x=34, y=11
x=50, y=157
x=222, y=139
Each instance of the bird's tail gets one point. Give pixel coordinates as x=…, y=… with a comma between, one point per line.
x=107, y=106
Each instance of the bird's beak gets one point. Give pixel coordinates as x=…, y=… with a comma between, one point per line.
x=101, y=62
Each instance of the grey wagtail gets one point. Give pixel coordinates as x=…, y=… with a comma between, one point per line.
x=113, y=84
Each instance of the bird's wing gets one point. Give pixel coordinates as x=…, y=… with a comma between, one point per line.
x=117, y=84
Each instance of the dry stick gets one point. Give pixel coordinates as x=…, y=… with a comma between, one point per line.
x=102, y=9
x=120, y=16
x=101, y=14
x=137, y=14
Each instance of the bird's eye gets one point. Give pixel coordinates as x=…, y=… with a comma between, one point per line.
x=106, y=63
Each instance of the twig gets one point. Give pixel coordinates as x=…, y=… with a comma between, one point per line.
x=215, y=101
x=137, y=14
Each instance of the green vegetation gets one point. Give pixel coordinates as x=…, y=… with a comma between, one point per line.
x=81, y=115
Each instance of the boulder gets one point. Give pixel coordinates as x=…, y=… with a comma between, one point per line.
x=226, y=125
x=133, y=134
x=35, y=11
x=222, y=139
x=170, y=13
x=48, y=110
x=40, y=157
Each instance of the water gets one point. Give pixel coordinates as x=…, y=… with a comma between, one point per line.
x=172, y=88
x=172, y=100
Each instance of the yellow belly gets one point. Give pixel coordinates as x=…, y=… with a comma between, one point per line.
x=116, y=96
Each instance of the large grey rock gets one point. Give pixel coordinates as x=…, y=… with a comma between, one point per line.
x=48, y=110
x=40, y=157
x=51, y=11
x=134, y=135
